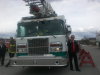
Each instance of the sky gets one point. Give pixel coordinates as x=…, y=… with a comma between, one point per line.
x=82, y=15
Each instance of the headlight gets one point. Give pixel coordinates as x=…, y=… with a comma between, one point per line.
x=21, y=48
x=56, y=46
x=57, y=49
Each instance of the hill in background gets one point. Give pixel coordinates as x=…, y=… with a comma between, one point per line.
x=79, y=35
x=7, y=35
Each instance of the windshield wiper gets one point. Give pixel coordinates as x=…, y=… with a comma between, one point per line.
x=53, y=36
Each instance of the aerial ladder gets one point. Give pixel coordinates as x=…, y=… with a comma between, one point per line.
x=40, y=8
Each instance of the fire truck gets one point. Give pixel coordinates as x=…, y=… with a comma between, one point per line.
x=42, y=38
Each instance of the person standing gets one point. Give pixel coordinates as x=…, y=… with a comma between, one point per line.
x=73, y=49
x=2, y=52
x=11, y=50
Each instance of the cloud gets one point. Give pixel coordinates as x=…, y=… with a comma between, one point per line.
x=54, y=0
x=11, y=12
x=80, y=14
x=93, y=0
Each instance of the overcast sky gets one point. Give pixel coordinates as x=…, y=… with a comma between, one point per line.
x=82, y=15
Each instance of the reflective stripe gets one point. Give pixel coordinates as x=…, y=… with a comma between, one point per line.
x=12, y=45
x=12, y=48
x=12, y=51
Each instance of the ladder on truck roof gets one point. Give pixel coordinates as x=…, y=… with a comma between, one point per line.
x=40, y=8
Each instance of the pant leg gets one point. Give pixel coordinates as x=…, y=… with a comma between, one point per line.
x=76, y=62
x=11, y=55
x=2, y=59
x=70, y=61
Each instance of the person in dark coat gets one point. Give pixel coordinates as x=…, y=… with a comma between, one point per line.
x=2, y=52
x=73, y=49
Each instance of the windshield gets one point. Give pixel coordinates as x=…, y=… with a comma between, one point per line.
x=41, y=28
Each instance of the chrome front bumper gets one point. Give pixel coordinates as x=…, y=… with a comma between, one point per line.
x=38, y=61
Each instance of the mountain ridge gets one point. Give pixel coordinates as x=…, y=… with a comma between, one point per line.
x=79, y=35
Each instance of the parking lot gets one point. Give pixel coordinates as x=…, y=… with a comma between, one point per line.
x=86, y=69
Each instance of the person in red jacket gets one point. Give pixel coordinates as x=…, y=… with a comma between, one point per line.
x=73, y=49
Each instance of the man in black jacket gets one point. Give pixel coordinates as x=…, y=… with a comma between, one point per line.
x=2, y=52
x=73, y=49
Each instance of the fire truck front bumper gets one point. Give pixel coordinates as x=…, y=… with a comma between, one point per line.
x=38, y=61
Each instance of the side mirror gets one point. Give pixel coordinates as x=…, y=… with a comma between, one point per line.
x=69, y=29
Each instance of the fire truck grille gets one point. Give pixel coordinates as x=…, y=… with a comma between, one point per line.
x=38, y=46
